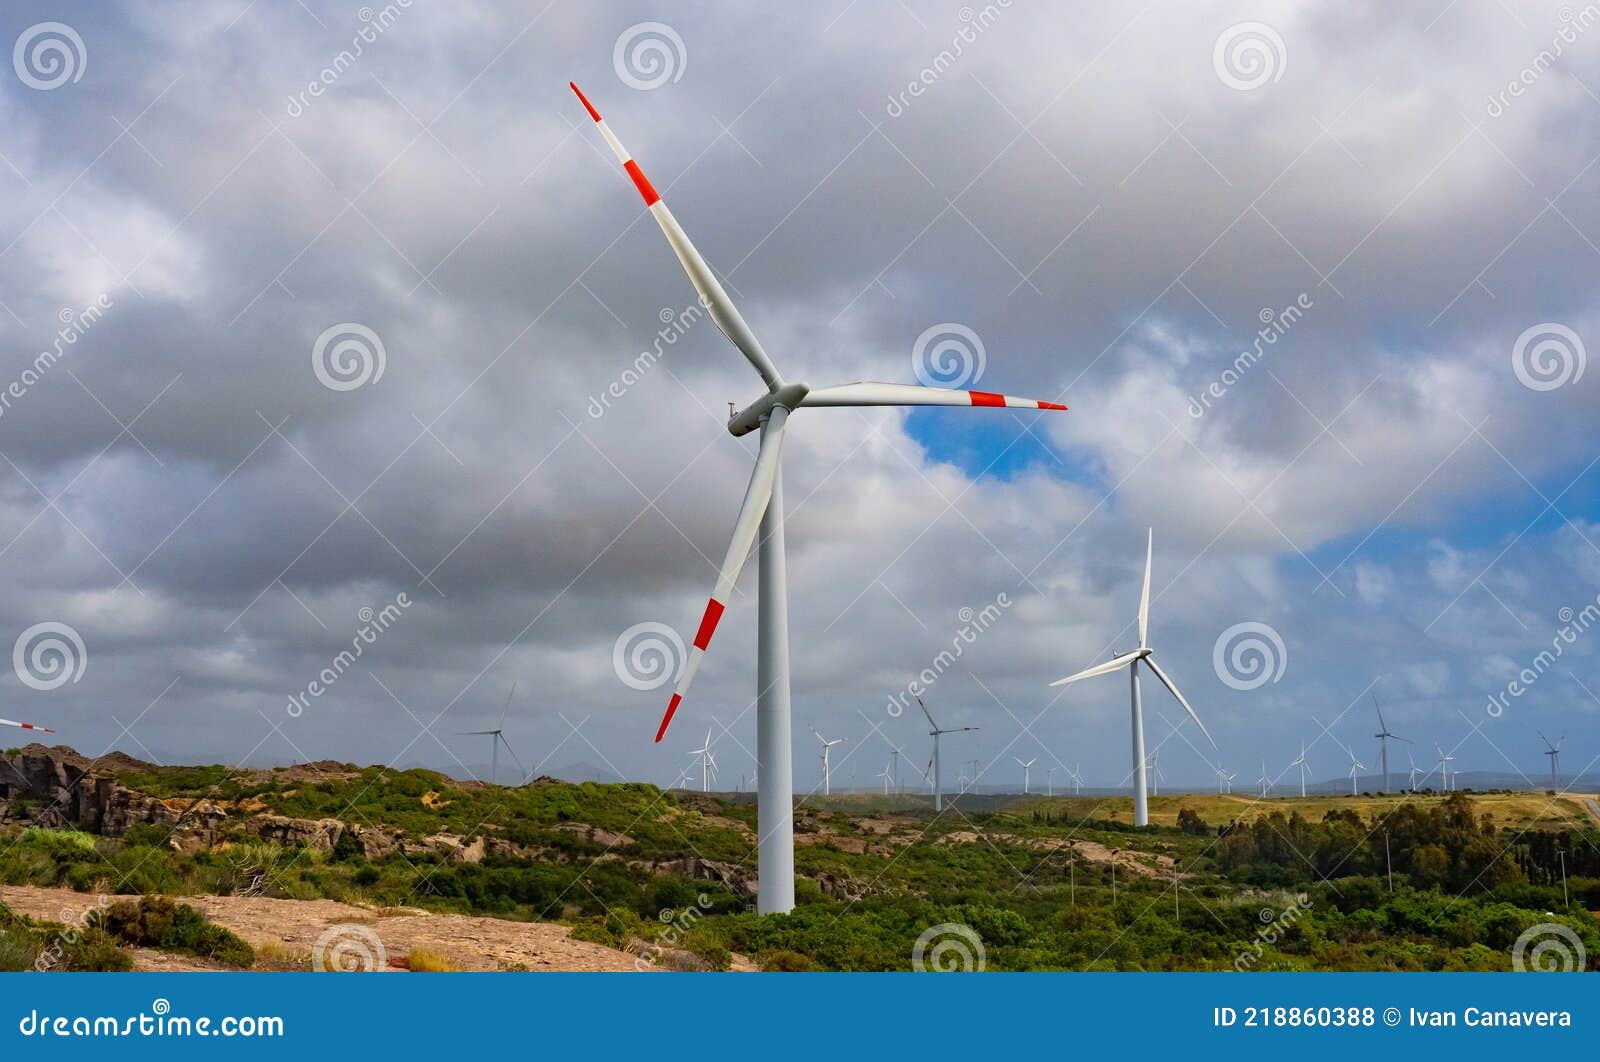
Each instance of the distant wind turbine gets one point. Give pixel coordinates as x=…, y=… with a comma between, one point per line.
x=1301, y=762
x=1356, y=766
x=1444, y=765
x=887, y=775
x=1225, y=780
x=935, y=730
x=1264, y=780
x=708, y=763
x=1131, y=661
x=1156, y=777
x=1383, y=735
x=497, y=737
x=826, y=774
x=1554, y=752
x=1077, y=780
x=1025, y=768
x=1415, y=770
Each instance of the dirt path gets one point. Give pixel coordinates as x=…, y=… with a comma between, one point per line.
x=284, y=933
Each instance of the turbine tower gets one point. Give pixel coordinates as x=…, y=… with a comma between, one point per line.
x=1415, y=770
x=1225, y=780
x=1077, y=780
x=1383, y=735
x=887, y=775
x=1026, y=767
x=762, y=509
x=1131, y=661
x=497, y=737
x=1554, y=752
x=1355, y=767
x=708, y=763
x=935, y=730
x=1156, y=777
x=1301, y=762
x=826, y=745
x=1444, y=765
x=1264, y=780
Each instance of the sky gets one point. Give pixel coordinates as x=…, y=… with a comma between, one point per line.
x=323, y=329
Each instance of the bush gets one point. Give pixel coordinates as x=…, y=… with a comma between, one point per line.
x=785, y=961
x=158, y=922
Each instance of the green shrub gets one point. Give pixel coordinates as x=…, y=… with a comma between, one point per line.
x=158, y=922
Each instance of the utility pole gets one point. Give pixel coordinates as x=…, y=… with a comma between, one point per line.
x=1175, y=913
x=1565, y=902
x=1387, y=860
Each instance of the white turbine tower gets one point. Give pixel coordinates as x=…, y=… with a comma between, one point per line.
x=1415, y=770
x=26, y=726
x=826, y=745
x=1301, y=762
x=1383, y=735
x=762, y=509
x=934, y=730
x=708, y=763
x=888, y=776
x=497, y=737
x=1225, y=780
x=1156, y=777
x=1356, y=766
x=1131, y=661
x=1077, y=780
x=1444, y=765
x=1554, y=752
x=1026, y=767
x=1264, y=780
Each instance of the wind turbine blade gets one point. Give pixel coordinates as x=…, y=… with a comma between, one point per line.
x=1165, y=681
x=893, y=394
x=514, y=759
x=1099, y=669
x=924, y=708
x=1144, y=598
x=716, y=301
x=756, y=497
x=507, y=707
x=459, y=733
x=26, y=726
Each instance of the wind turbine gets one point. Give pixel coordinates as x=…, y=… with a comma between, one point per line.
x=1131, y=660
x=26, y=726
x=1301, y=762
x=1225, y=780
x=1415, y=770
x=1444, y=765
x=887, y=775
x=1025, y=768
x=935, y=730
x=826, y=745
x=762, y=509
x=1383, y=735
x=1264, y=780
x=1355, y=767
x=497, y=737
x=708, y=763
x=1049, y=786
x=1077, y=780
x=1156, y=777
x=1554, y=752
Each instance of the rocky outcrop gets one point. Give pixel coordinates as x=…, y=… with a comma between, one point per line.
x=56, y=790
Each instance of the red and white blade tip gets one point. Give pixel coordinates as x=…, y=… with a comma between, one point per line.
x=702, y=639
x=988, y=398
x=584, y=100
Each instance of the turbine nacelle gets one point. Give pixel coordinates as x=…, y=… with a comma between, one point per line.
x=749, y=419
